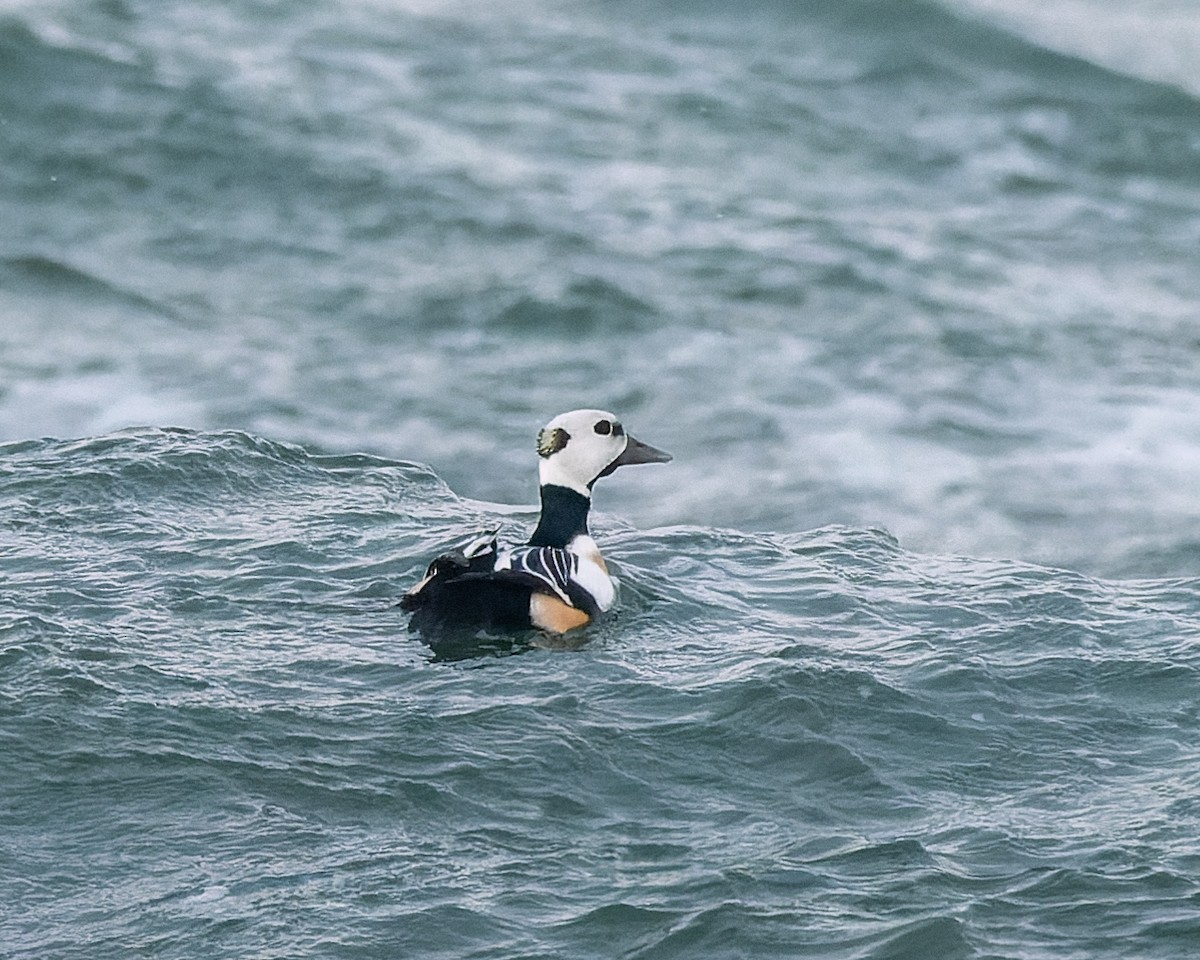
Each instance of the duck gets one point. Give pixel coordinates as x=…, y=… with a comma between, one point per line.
x=557, y=581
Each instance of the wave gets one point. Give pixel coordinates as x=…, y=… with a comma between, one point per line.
x=207, y=96
x=1155, y=42
x=206, y=682
x=1139, y=41
x=708, y=571
x=853, y=591
x=45, y=277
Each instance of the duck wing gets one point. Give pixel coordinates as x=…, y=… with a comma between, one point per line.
x=550, y=570
x=477, y=555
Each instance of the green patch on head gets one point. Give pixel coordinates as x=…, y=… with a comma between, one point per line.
x=551, y=441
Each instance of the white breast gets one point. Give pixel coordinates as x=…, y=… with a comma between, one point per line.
x=591, y=572
x=579, y=564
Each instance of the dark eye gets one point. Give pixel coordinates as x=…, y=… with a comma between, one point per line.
x=604, y=427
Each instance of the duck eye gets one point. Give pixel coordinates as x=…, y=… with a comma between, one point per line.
x=604, y=427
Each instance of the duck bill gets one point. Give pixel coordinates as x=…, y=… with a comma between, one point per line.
x=637, y=452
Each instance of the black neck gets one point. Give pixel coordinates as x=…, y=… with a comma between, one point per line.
x=564, y=517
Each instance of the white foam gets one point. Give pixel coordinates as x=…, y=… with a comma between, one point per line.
x=1156, y=40
x=88, y=405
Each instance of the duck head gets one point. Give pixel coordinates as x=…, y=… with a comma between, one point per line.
x=578, y=448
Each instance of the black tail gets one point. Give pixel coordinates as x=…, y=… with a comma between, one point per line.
x=476, y=556
x=462, y=591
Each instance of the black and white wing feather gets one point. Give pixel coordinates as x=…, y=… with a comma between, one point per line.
x=549, y=570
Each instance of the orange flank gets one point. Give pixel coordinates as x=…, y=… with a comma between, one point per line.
x=551, y=614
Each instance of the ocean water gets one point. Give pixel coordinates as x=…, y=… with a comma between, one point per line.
x=906, y=661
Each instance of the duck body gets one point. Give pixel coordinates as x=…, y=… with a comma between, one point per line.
x=556, y=582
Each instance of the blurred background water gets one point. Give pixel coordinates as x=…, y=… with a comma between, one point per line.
x=896, y=282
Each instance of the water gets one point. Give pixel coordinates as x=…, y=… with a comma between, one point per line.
x=905, y=662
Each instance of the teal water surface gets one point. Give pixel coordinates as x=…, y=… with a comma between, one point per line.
x=220, y=740
x=904, y=663
x=873, y=263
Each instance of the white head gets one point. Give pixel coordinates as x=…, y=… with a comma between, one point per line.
x=579, y=447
